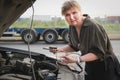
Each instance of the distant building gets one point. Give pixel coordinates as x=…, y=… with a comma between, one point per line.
x=42, y=17
x=113, y=19
x=56, y=18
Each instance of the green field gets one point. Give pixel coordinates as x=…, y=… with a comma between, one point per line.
x=111, y=28
x=40, y=24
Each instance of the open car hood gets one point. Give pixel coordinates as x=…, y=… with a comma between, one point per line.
x=11, y=10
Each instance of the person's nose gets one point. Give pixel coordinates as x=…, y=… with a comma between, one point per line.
x=71, y=16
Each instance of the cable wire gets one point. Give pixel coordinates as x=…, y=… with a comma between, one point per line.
x=31, y=24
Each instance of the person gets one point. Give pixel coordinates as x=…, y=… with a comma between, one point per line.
x=90, y=38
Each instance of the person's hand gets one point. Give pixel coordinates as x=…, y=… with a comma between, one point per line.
x=55, y=50
x=69, y=59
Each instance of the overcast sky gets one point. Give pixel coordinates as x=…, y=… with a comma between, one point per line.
x=94, y=8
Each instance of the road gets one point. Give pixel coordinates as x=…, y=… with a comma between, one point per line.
x=38, y=47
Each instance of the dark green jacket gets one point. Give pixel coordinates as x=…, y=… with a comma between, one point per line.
x=94, y=39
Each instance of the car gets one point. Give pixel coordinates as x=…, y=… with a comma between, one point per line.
x=16, y=64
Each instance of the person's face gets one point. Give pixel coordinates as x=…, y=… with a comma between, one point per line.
x=73, y=16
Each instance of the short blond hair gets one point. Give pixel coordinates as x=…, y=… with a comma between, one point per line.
x=68, y=5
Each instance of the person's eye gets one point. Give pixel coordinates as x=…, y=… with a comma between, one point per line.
x=74, y=13
x=67, y=15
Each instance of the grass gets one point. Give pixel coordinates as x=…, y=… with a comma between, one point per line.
x=111, y=28
x=40, y=24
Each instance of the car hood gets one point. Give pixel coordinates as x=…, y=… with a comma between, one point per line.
x=11, y=10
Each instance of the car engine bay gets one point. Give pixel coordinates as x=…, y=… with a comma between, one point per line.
x=15, y=66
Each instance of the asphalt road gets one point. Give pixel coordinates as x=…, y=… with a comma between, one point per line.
x=38, y=47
